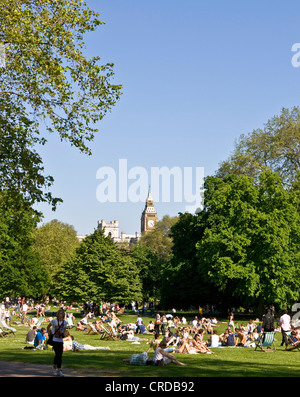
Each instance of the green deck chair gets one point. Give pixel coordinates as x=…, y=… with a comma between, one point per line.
x=6, y=327
x=266, y=342
x=70, y=323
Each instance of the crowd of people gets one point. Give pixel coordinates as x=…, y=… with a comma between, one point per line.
x=174, y=335
x=171, y=334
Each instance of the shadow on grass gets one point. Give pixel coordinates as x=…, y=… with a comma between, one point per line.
x=110, y=363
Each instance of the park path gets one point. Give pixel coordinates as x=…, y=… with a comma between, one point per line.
x=19, y=369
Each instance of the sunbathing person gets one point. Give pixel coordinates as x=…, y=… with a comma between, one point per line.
x=200, y=346
x=161, y=357
x=139, y=359
x=83, y=324
x=154, y=343
x=241, y=338
x=192, y=346
x=223, y=337
x=71, y=344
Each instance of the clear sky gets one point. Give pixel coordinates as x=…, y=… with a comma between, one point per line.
x=196, y=75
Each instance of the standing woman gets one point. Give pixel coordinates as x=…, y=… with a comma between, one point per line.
x=157, y=323
x=58, y=326
x=231, y=321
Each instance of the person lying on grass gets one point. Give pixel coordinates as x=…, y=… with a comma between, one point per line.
x=161, y=357
x=71, y=344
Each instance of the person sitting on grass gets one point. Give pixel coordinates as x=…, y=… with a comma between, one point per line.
x=250, y=327
x=200, y=345
x=31, y=336
x=153, y=344
x=214, y=340
x=227, y=338
x=178, y=336
x=223, y=337
x=139, y=359
x=161, y=357
x=192, y=346
x=255, y=336
x=150, y=327
x=40, y=339
x=186, y=333
x=201, y=333
x=83, y=324
x=170, y=340
x=241, y=338
x=293, y=340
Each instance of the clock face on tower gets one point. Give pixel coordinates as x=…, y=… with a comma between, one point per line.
x=151, y=223
x=149, y=215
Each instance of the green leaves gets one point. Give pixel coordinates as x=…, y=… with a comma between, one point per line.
x=21, y=169
x=276, y=147
x=249, y=244
x=55, y=243
x=48, y=85
x=46, y=72
x=21, y=271
x=99, y=271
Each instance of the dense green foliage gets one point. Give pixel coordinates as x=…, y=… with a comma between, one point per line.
x=275, y=147
x=55, y=242
x=99, y=271
x=21, y=271
x=242, y=249
x=47, y=85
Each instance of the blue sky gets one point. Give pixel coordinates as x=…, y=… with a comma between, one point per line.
x=196, y=75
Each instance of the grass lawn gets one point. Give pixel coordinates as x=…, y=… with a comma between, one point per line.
x=226, y=362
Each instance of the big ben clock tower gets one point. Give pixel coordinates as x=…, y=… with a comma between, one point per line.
x=149, y=215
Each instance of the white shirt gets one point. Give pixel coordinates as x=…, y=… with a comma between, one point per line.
x=55, y=325
x=157, y=355
x=285, y=320
x=214, y=341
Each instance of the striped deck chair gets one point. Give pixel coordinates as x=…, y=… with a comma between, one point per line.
x=6, y=327
x=70, y=323
x=106, y=335
x=39, y=323
x=113, y=332
x=94, y=330
x=3, y=333
x=266, y=342
x=109, y=333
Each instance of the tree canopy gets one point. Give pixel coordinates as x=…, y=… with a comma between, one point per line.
x=245, y=241
x=159, y=240
x=48, y=85
x=55, y=243
x=275, y=147
x=21, y=271
x=99, y=271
